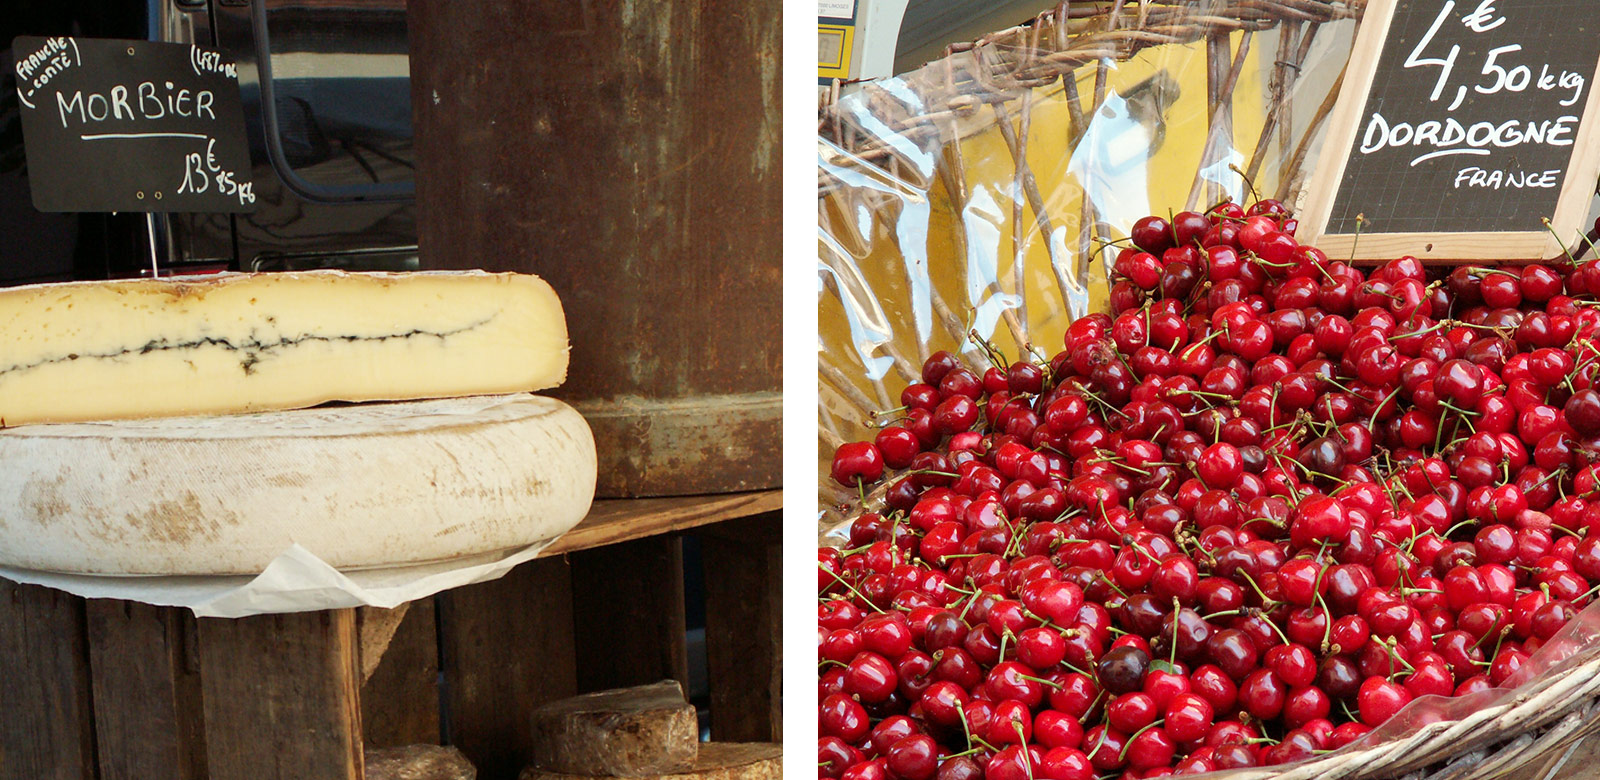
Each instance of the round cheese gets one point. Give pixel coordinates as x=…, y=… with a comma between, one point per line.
x=175, y=346
x=359, y=486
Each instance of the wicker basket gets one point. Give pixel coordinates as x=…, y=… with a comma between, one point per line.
x=895, y=162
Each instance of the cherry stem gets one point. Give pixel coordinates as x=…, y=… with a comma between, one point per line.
x=1254, y=586
x=1422, y=332
x=1276, y=630
x=1076, y=670
x=967, y=730
x=1588, y=593
x=1571, y=260
x=1505, y=631
x=1053, y=685
x=1247, y=183
x=1176, y=608
x=1346, y=707
x=931, y=472
x=1361, y=220
x=1372, y=424
x=991, y=352
x=1452, y=529
x=1586, y=241
x=1120, y=591
x=1123, y=755
x=1394, y=655
x=1022, y=740
x=973, y=599
x=852, y=588
x=1316, y=592
x=1559, y=470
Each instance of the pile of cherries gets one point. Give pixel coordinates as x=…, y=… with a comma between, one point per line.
x=1240, y=521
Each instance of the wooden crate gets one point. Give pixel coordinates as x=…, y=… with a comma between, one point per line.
x=118, y=690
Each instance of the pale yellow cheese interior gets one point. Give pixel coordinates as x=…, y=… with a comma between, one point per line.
x=249, y=342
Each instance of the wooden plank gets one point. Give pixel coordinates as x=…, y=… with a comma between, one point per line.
x=46, y=714
x=628, y=614
x=619, y=520
x=505, y=646
x=744, y=628
x=147, y=698
x=281, y=696
x=715, y=761
x=400, y=701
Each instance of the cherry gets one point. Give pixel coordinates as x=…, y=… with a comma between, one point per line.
x=1150, y=749
x=1312, y=485
x=870, y=677
x=1062, y=763
x=834, y=756
x=1233, y=651
x=1131, y=712
x=842, y=717
x=866, y=770
x=1152, y=234
x=1105, y=747
x=1122, y=669
x=1380, y=699
x=857, y=462
x=1220, y=466
x=913, y=758
x=1263, y=694
x=960, y=768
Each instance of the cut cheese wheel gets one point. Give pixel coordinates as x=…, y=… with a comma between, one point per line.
x=249, y=342
x=359, y=486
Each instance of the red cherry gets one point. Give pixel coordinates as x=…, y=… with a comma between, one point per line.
x=857, y=462
x=1379, y=700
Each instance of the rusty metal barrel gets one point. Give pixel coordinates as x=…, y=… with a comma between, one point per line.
x=628, y=152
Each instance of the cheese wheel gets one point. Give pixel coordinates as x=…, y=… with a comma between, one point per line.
x=227, y=343
x=360, y=486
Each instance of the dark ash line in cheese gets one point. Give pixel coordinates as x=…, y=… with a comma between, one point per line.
x=254, y=349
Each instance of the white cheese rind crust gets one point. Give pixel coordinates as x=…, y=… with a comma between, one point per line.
x=360, y=486
x=250, y=342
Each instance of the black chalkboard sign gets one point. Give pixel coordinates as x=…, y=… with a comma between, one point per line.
x=1461, y=118
x=117, y=125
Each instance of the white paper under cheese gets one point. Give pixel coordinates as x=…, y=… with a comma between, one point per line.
x=359, y=486
x=249, y=342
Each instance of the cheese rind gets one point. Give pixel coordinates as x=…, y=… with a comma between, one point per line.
x=369, y=485
x=249, y=342
x=642, y=731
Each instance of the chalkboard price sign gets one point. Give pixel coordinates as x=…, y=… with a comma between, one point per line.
x=1461, y=125
x=119, y=125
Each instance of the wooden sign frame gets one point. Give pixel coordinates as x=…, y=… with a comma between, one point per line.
x=1321, y=189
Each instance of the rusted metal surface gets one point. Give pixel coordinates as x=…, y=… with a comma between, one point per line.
x=628, y=153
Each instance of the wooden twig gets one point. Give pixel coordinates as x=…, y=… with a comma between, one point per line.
x=828, y=432
x=1016, y=317
x=1220, y=119
x=897, y=360
x=1280, y=113
x=848, y=392
x=953, y=173
x=1291, y=172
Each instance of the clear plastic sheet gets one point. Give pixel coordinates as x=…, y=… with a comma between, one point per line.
x=978, y=193
x=977, y=196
